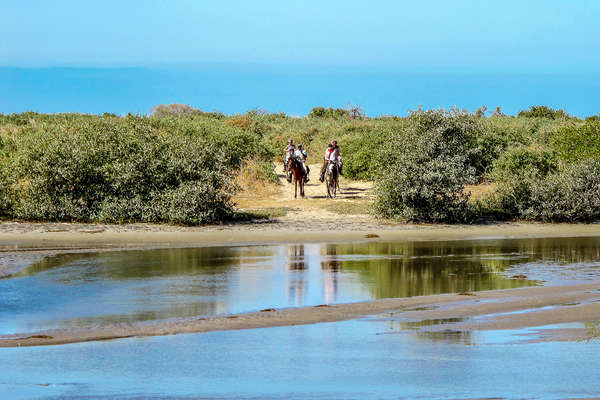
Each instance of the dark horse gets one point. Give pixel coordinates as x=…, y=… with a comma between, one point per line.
x=332, y=179
x=299, y=175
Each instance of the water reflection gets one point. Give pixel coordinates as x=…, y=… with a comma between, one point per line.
x=297, y=285
x=100, y=288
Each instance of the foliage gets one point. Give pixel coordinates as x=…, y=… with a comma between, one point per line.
x=360, y=155
x=520, y=161
x=123, y=169
x=172, y=110
x=578, y=142
x=570, y=194
x=321, y=112
x=134, y=168
x=593, y=118
x=543, y=112
x=425, y=167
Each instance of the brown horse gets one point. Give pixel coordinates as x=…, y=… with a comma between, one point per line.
x=299, y=175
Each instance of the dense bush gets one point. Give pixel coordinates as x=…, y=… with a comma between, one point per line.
x=570, y=194
x=425, y=167
x=520, y=161
x=177, y=165
x=593, y=118
x=321, y=112
x=123, y=169
x=578, y=142
x=543, y=112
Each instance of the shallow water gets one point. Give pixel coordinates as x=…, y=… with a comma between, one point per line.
x=349, y=359
x=85, y=290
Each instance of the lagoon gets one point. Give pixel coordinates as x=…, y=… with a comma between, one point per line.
x=93, y=289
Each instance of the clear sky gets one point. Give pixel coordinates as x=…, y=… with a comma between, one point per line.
x=500, y=35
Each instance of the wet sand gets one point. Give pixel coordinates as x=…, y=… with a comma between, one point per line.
x=16, y=237
x=488, y=310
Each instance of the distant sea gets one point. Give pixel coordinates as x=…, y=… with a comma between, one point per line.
x=293, y=90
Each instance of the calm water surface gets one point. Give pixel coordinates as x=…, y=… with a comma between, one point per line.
x=349, y=360
x=87, y=290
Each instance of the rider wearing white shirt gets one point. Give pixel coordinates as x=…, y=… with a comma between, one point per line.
x=301, y=155
x=328, y=152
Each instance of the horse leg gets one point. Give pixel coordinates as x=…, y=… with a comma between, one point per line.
x=295, y=185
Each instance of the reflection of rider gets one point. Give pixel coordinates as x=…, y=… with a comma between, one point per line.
x=297, y=276
x=331, y=268
x=301, y=155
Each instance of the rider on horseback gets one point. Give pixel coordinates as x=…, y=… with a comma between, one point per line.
x=331, y=147
x=328, y=152
x=338, y=152
x=301, y=156
x=289, y=151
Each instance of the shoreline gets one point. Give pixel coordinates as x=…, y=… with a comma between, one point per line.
x=486, y=310
x=18, y=236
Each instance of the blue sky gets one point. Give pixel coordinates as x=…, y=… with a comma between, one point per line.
x=501, y=35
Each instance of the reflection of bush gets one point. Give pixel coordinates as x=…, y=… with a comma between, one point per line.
x=422, y=268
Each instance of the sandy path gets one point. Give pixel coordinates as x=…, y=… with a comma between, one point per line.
x=572, y=303
x=314, y=211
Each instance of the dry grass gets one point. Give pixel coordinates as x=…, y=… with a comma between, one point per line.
x=268, y=212
x=254, y=183
x=349, y=207
x=478, y=191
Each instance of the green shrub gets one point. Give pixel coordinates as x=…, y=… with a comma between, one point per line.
x=360, y=155
x=129, y=169
x=425, y=168
x=578, y=142
x=522, y=161
x=593, y=118
x=321, y=112
x=543, y=112
x=571, y=194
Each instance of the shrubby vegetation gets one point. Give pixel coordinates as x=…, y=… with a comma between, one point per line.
x=543, y=112
x=88, y=168
x=570, y=194
x=182, y=164
x=425, y=167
